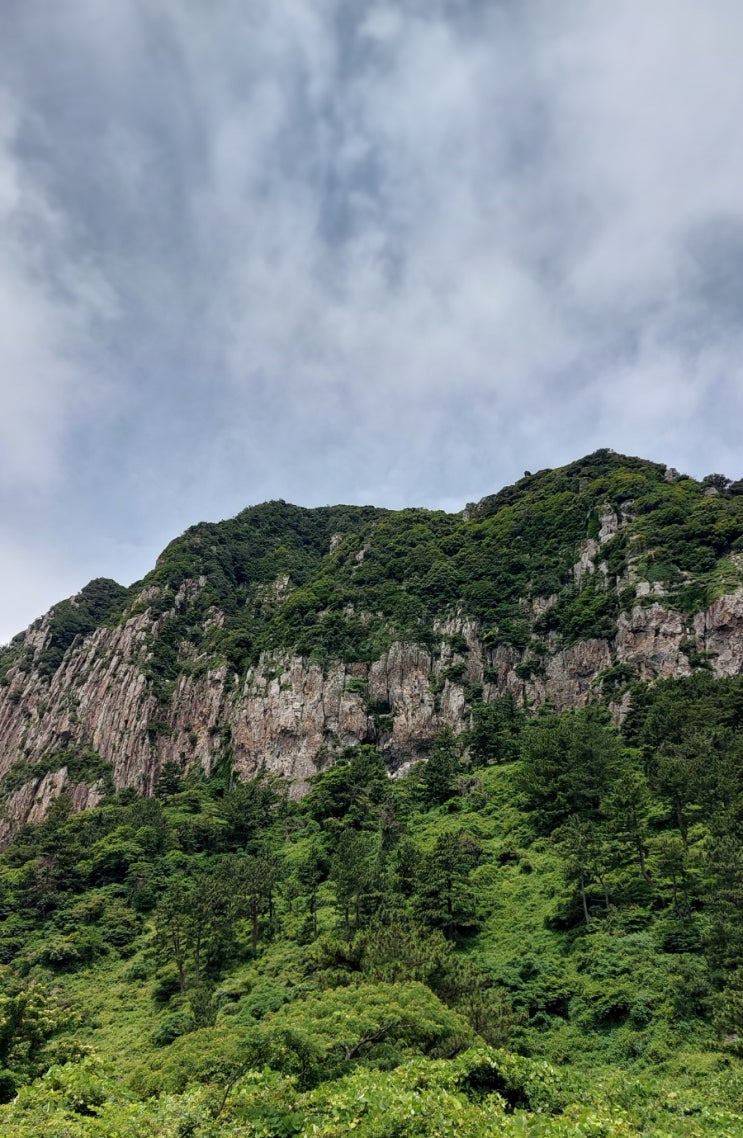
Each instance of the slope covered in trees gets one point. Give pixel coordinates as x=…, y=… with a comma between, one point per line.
x=537, y=933
x=343, y=582
x=392, y=574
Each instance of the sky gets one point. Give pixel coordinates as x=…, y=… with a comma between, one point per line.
x=393, y=253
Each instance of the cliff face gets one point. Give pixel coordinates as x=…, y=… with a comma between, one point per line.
x=563, y=588
x=291, y=716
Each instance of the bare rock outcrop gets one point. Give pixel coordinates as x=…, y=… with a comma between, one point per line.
x=649, y=639
x=719, y=634
x=292, y=716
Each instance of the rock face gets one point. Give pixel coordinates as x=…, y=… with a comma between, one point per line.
x=719, y=632
x=291, y=716
x=649, y=639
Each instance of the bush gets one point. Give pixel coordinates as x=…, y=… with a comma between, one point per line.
x=171, y=1028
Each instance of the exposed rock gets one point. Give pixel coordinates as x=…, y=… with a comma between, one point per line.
x=584, y=565
x=619, y=709
x=31, y=803
x=291, y=716
x=719, y=632
x=650, y=640
x=648, y=588
x=571, y=675
x=539, y=605
x=609, y=524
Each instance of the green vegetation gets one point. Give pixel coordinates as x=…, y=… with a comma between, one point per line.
x=393, y=575
x=344, y=582
x=83, y=764
x=97, y=603
x=100, y=602
x=536, y=934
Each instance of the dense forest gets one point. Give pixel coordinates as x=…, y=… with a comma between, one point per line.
x=538, y=932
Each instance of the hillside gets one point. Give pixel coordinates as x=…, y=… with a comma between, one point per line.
x=221, y=917
x=274, y=640
x=537, y=933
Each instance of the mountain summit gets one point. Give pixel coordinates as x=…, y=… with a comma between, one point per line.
x=281, y=636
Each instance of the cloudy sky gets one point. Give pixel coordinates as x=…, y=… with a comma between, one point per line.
x=361, y=252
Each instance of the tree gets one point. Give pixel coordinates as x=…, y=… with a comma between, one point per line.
x=351, y=790
x=627, y=809
x=463, y=985
x=569, y=765
x=402, y=951
x=169, y=781
x=439, y=773
x=311, y=872
x=494, y=731
x=251, y=807
x=444, y=898
x=194, y=927
x=377, y=1022
x=583, y=849
x=28, y=1017
x=672, y=857
x=725, y=887
x=674, y=780
x=354, y=875
x=717, y=481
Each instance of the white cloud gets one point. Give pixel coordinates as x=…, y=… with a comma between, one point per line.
x=394, y=252
x=48, y=304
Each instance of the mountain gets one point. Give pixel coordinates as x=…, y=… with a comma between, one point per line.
x=535, y=933
x=280, y=637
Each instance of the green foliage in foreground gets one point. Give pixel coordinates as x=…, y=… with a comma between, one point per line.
x=540, y=934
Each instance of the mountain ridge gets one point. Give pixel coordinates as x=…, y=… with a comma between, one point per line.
x=278, y=637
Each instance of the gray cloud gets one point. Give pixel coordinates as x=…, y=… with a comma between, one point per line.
x=390, y=252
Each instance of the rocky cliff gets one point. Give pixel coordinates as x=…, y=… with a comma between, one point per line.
x=99, y=715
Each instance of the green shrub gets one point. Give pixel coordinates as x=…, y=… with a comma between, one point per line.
x=170, y=1028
